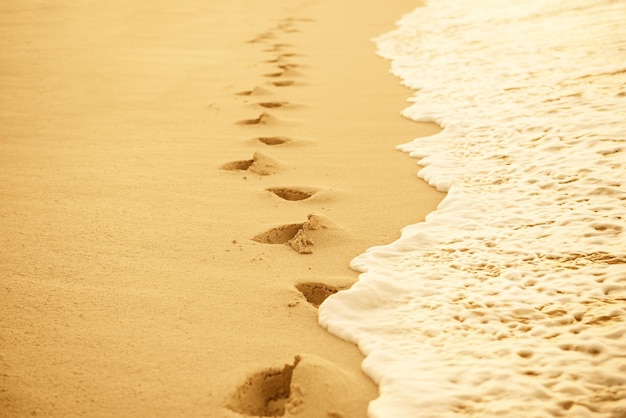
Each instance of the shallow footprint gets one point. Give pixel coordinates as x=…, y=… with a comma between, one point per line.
x=283, y=83
x=292, y=194
x=286, y=72
x=260, y=164
x=262, y=37
x=288, y=66
x=290, y=72
x=278, y=47
x=281, y=57
x=263, y=119
x=273, y=140
x=256, y=91
x=272, y=105
x=316, y=293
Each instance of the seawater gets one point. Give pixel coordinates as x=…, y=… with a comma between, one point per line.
x=510, y=299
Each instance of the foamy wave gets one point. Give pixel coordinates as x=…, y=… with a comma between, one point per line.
x=510, y=300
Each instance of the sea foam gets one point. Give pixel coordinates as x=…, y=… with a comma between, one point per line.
x=510, y=299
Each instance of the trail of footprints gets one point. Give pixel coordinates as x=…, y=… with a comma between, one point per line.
x=295, y=235
x=270, y=392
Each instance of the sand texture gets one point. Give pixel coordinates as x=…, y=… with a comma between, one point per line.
x=181, y=185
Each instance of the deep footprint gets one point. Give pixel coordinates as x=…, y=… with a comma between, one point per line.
x=291, y=194
x=238, y=165
x=264, y=394
x=296, y=235
x=278, y=235
x=316, y=293
x=273, y=140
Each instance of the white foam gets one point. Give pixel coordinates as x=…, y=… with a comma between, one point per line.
x=510, y=300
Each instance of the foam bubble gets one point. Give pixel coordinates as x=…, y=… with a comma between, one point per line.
x=510, y=299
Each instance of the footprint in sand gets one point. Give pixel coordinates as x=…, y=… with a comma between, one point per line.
x=272, y=75
x=262, y=37
x=263, y=119
x=315, y=293
x=300, y=236
x=290, y=72
x=288, y=25
x=292, y=194
x=260, y=164
x=309, y=386
x=273, y=140
x=264, y=394
x=256, y=91
x=285, y=72
x=281, y=58
x=278, y=47
x=296, y=235
x=290, y=67
x=279, y=234
x=284, y=83
x=272, y=105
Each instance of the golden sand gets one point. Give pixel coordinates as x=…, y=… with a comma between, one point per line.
x=159, y=163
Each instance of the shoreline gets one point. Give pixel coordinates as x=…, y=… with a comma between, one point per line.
x=135, y=187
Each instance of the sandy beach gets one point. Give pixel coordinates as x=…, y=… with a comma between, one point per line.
x=180, y=184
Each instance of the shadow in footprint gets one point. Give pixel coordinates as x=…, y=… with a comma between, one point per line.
x=316, y=293
x=292, y=194
x=278, y=47
x=287, y=72
x=282, y=57
x=238, y=165
x=259, y=164
x=296, y=235
x=256, y=91
x=262, y=37
x=278, y=235
x=264, y=394
x=262, y=119
x=310, y=386
x=283, y=83
x=273, y=140
x=286, y=25
x=288, y=66
x=272, y=105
